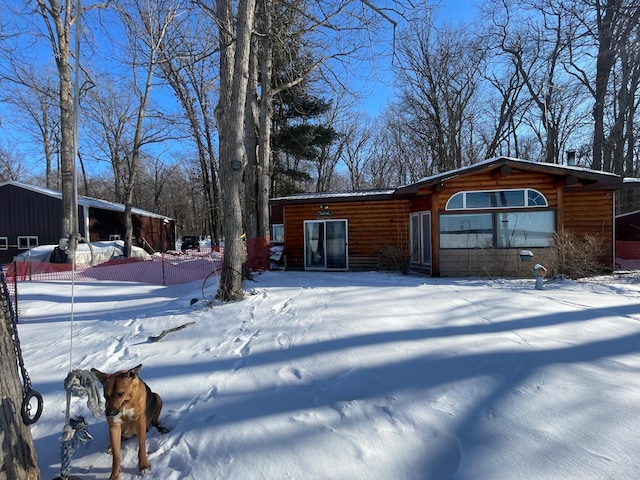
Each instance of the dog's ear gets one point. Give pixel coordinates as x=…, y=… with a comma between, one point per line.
x=99, y=375
x=134, y=372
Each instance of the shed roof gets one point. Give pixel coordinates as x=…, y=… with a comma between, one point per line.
x=84, y=201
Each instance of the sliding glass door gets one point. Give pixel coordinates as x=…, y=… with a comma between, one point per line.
x=420, y=226
x=325, y=245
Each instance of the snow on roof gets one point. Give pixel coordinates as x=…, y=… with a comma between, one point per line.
x=628, y=214
x=336, y=195
x=84, y=201
x=495, y=160
x=439, y=177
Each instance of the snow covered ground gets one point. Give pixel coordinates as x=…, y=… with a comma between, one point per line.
x=353, y=376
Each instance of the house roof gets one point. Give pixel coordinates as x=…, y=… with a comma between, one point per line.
x=595, y=179
x=629, y=214
x=373, y=194
x=84, y=201
x=581, y=173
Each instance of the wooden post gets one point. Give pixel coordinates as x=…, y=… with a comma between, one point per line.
x=435, y=236
x=559, y=209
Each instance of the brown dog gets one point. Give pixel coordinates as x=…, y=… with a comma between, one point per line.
x=131, y=407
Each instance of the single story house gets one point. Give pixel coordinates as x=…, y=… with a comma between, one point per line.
x=484, y=219
x=32, y=216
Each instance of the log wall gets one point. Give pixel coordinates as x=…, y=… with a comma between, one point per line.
x=372, y=225
x=592, y=213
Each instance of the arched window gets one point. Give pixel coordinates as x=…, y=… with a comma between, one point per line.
x=489, y=199
x=520, y=218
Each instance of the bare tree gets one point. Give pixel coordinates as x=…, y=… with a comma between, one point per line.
x=406, y=145
x=258, y=113
x=263, y=164
x=109, y=112
x=359, y=134
x=329, y=144
x=535, y=37
x=505, y=108
x=630, y=80
x=384, y=165
x=251, y=138
x=187, y=66
x=58, y=18
x=610, y=27
x=235, y=42
x=146, y=25
x=439, y=71
x=10, y=165
x=33, y=95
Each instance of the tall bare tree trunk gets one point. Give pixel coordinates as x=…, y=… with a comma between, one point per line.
x=234, y=74
x=257, y=175
x=18, y=458
x=604, y=65
x=58, y=18
x=264, y=135
x=251, y=148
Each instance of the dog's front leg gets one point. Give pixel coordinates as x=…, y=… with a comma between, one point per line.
x=115, y=438
x=143, y=463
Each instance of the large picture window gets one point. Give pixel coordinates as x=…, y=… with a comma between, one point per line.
x=525, y=229
x=466, y=231
x=509, y=228
x=498, y=229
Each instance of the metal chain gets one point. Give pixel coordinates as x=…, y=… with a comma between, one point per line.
x=26, y=381
x=27, y=392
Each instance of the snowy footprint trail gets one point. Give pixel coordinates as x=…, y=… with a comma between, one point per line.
x=357, y=376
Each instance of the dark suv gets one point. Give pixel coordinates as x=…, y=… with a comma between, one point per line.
x=190, y=242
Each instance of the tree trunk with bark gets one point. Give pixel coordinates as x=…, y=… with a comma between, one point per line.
x=18, y=458
x=234, y=74
x=264, y=135
x=58, y=17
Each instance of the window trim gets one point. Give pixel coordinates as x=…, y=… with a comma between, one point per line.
x=27, y=239
x=4, y=243
x=274, y=238
x=495, y=219
x=325, y=241
x=420, y=246
x=498, y=207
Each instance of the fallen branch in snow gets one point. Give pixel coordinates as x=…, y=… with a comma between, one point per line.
x=169, y=330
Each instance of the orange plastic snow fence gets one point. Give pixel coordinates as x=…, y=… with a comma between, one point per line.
x=258, y=254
